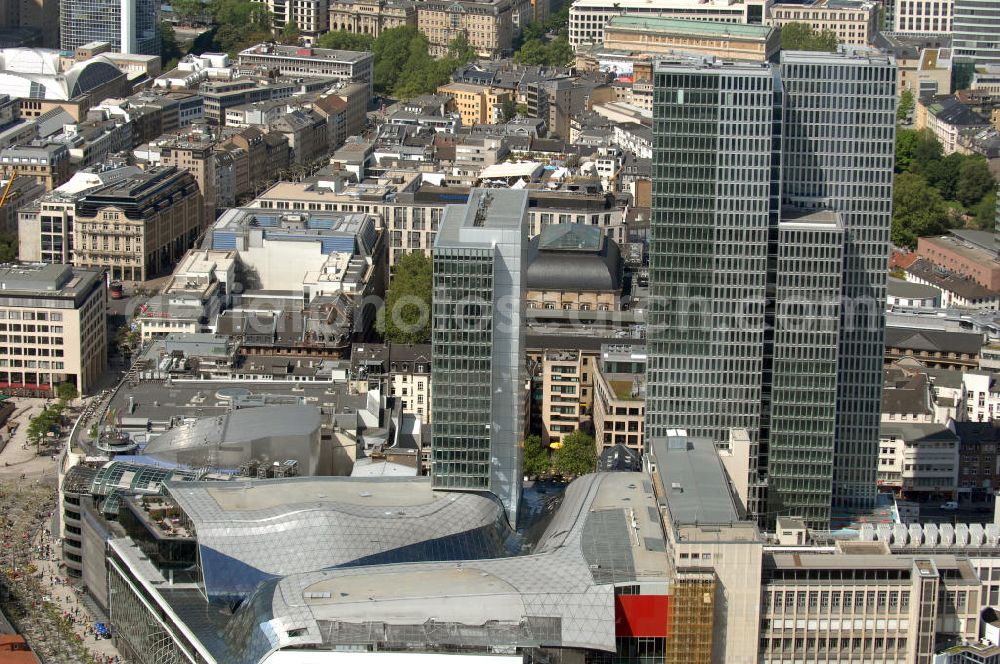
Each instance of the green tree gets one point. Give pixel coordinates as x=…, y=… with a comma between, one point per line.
x=554, y=53
x=577, y=456
x=460, y=51
x=537, y=461
x=290, y=33
x=974, y=181
x=8, y=248
x=906, y=139
x=801, y=37
x=508, y=109
x=407, y=314
x=187, y=11
x=943, y=174
x=926, y=148
x=240, y=23
x=170, y=51
x=346, y=41
x=67, y=391
x=906, y=105
x=918, y=210
x=986, y=212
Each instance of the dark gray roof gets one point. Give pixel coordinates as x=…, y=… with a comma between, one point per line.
x=911, y=290
x=916, y=432
x=975, y=432
x=694, y=481
x=573, y=257
x=908, y=338
x=906, y=396
x=951, y=111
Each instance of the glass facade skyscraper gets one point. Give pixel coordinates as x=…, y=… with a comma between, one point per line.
x=976, y=31
x=130, y=26
x=478, y=365
x=770, y=227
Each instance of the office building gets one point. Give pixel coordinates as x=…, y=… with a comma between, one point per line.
x=855, y=22
x=309, y=16
x=587, y=18
x=923, y=16
x=129, y=26
x=136, y=228
x=53, y=329
x=741, y=162
x=344, y=66
x=976, y=31
x=478, y=367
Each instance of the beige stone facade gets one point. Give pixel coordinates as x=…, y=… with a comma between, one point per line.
x=371, y=17
x=619, y=409
x=854, y=22
x=477, y=104
x=137, y=228
x=487, y=25
x=52, y=329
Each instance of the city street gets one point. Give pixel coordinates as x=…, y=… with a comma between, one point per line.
x=44, y=604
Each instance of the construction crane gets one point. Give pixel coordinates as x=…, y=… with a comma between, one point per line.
x=3, y=199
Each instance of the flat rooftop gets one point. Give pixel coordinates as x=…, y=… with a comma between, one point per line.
x=46, y=280
x=489, y=214
x=692, y=28
x=306, y=53
x=694, y=482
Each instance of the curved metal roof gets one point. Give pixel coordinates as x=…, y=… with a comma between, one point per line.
x=561, y=596
x=253, y=530
x=570, y=257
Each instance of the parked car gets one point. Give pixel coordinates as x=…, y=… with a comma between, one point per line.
x=950, y=506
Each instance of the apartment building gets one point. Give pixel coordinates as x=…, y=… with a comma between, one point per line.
x=477, y=104
x=947, y=117
x=371, y=17
x=410, y=378
x=136, y=228
x=353, y=66
x=309, y=16
x=52, y=329
x=918, y=459
x=562, y=411
x=620, y=397
x=267, y=155
x=980, y=396
x=197, y=156
x=854, y=21
x=488, y=25
x=49, y=163
x=587, y=18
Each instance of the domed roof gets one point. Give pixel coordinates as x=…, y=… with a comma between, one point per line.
x=573, y=257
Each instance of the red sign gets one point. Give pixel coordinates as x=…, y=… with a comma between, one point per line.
x=642, y=615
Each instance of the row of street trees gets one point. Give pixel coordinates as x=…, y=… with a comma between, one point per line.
x=51, y=416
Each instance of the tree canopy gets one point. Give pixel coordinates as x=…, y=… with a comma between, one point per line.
x=906, y=105
x=404, y=66
x=346, y=41
x=577, y=456
x=933, y=183
x=239, y=24
x=917, y=210
x=537, y=461
x=986, y=212
x=546, y=42
x=8, y=248
x=407, y=313
x=802, y=37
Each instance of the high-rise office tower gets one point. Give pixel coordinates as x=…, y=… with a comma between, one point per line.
x=976, y=31
x=478, y=363
x=768, y=249
x=130, y=26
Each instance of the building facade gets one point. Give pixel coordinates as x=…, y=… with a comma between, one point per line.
x=129, y=26
x=137, y=228
x=587, y=18
x=715, y=364
x=52, y=329
x=488, y=25
x=923, y=16
x=478, y=368
x=976, y=31
x=371, y=17
x=854, y=21
x=347, y=66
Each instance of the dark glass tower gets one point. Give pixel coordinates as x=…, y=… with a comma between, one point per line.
x=768, y=249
